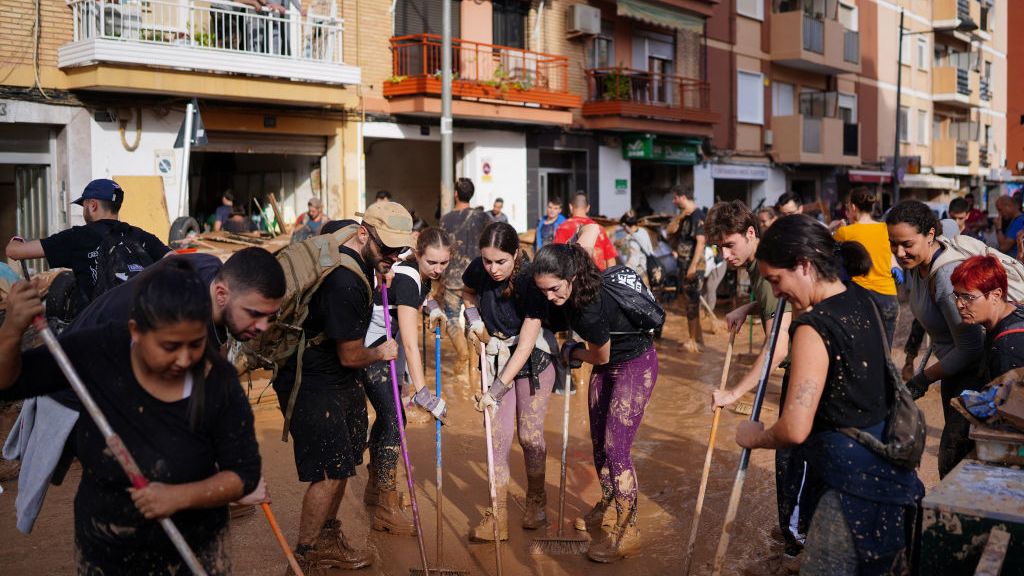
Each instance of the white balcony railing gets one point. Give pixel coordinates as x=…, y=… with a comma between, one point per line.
x=211, y=35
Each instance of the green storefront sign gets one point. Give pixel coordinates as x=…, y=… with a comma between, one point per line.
x=652, y=147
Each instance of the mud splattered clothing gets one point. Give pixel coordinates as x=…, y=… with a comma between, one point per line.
x=618, y=395
x=465, y=226
x=111, y=536
x=329, y=421
x=682, y=237
x=522, y=410
x=1004, y=346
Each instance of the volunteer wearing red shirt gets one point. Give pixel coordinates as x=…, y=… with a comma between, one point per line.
x=604, y=252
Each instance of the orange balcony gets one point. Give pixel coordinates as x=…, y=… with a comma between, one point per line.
x=625, y=99
x=815, y=140
x=481, y=72
x=951, y=156
x=956, y=87
x=815, y=44
x=947, y=13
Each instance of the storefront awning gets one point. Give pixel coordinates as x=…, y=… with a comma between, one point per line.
x=658, y=16
x=869, y=176
x=929, y=181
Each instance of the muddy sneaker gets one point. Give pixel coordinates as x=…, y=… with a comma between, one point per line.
x=332, y=550
x=390, y=516
x=307, y=564
x=602, y=515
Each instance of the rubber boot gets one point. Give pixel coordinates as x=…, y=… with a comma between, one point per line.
x=534, y=516
x=602, y=515
x=484, y=531
x=370, y=495
x=390, y=516
x=621, y=542
x=332, y=550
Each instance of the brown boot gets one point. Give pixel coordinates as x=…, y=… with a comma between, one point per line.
x=332, y=550
x=602, y=515
x=390, y=516
x=371, y=493
x=484, y=531
x=621, y=542
x=534, y=516
x=308, y=565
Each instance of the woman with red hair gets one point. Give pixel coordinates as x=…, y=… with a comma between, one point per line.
x=980, y=293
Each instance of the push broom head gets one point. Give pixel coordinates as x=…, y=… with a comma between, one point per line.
x=560, y=545
x=438, y=572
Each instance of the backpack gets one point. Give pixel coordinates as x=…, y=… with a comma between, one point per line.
x=905, y=429
x=962, y=247
x=627, y=288
x=119, y=257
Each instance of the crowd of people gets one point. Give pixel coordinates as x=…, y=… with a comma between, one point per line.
x=152, y=347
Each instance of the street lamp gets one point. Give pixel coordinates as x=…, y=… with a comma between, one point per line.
x=962, y=25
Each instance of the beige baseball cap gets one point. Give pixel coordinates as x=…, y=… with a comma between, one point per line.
x=391, y=221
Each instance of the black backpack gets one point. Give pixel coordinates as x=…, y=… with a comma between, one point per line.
x=119, y=257
x=634, y=297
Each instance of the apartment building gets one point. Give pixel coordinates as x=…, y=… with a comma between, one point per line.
x=808, y=88
x=1015, y=94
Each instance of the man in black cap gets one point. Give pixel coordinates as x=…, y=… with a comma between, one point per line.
x=78, y=247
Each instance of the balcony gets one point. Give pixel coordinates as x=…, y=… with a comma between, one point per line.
x=954, y=86
x=482, y=73
x=629, y=100
x=947, y=13
x=950, y=156
x=815, y=140
x=815, y=44
x=216, y=37
x=985, y=91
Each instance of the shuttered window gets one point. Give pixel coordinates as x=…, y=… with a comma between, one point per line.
x=424, y=17
x=509, y=22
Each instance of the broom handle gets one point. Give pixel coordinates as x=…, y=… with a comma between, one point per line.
x=707, y=459
x=755, y=413
x=401, y=431
x=281, y=539
x=117, y=447
x=565, y=446
x=437, y=445
x=490, y=461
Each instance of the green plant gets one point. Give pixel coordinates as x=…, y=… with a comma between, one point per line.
x=396, y=79
x=205, y=39
x=616, y=86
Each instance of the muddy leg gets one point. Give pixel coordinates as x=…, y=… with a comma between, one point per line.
x=532, y=408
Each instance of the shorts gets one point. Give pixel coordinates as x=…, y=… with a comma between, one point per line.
x=328, y=428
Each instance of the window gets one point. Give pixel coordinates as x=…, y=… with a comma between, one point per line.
x=848, y=108
x=848, y=17
x=937, y=132
x=423, y=17
x=782, y=99
x=751, y=8
x=602, y=48
x=508, y=22
x=922, y=126
x=905, y=57
x=904, y=124
x=749, y=97
x=922, y=53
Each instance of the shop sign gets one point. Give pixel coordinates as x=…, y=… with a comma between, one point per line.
x=621, y=186
x=739, y=172
x=650, y=147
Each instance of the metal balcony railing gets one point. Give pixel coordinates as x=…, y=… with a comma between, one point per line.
x=983, y=156
x=963, y=82
x=650, y=88
x=814, y=34
x=486, y=65
x=216, y=25
x=963, y=9
x=851, y=46
x=985, y=89
x=962, y=155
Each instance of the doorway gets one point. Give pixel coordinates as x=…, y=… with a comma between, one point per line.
x=557, y=185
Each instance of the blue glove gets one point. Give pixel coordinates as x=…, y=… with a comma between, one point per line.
x=897, y=275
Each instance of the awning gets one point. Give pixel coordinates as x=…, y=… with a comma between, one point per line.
x=929, y=181
x=869, y=176
x=659, y=16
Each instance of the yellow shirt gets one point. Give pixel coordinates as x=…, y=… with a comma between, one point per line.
x=875, y=238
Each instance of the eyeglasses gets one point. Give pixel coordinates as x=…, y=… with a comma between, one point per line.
x=966, y=297
x=386, y=251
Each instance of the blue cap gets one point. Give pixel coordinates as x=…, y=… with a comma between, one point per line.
x=102, y=189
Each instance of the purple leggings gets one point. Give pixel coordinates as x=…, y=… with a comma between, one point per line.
x=528, y=407
x=618, y=397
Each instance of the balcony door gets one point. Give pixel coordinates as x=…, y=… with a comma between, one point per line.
x=654, y=58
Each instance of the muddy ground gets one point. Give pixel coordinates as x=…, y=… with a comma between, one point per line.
x=668, y=453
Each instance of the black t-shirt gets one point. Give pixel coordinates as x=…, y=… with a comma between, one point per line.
x=77, y=248
x=1006, y=352
x=341, y=310
x=403, y=292
x=502, y=316
x=158, y=435
x=857, y=388
x=604, y=319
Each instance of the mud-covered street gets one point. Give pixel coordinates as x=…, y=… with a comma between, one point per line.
x=669, y=454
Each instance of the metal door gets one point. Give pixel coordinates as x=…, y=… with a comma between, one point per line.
x=30, y=186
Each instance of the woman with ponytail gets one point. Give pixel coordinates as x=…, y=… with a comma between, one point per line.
x=838, y=378
x=625, y=371
x=505, y=311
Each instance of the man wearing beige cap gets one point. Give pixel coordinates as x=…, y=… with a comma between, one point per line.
x=329, y=420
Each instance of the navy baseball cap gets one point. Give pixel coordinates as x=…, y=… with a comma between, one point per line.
x=102, y=189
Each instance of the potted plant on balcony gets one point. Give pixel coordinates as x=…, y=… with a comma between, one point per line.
x=616, y=86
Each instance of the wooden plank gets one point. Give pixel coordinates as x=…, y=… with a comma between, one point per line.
x=991, y=563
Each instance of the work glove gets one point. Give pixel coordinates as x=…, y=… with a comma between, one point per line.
x=436, y=406
x=492, y=398
x=566, y=354
x=476, y=332
x=918, y=385
x=435, y=315
x=897, y=275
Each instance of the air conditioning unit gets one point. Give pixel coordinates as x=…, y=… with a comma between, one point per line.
x=582, y=19
x=769, y=138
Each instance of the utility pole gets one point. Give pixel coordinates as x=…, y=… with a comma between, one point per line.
x=447, y=168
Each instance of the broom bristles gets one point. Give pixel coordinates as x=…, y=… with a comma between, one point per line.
x=564, y=546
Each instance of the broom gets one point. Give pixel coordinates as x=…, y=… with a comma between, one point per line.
x=491, y=482
x=562, y=544
x=114, y=442
x=741, y=472
x=707, y=460
x=437, y=456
